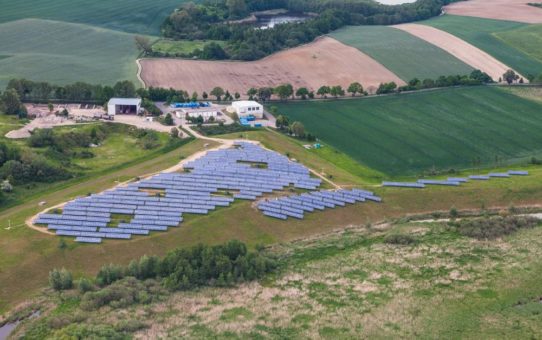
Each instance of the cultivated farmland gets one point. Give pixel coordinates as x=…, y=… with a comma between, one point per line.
x=459, y=48
x=402, y=53
x=483, y=33
x=527, y=39
x=324, y=62
x=62, y=53
x=513, y=10
x=135, y=16
x=442, y=129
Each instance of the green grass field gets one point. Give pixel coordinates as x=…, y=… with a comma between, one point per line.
x=181, y=46
x=406, y=134
x=135, y=16
x=487, y=34
x=527, y=39
x=63, y=53
x=401, y=52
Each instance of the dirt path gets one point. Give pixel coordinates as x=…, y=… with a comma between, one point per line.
x=460, y=49
x=139, y=69
x=511, y=10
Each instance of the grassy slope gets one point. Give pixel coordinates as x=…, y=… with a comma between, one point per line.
x=342, y=285
x=483, y=33
x=26, y=256
x=136, y=16
x=447, y=128
x=402, y=52
x=64, y=53
x=527, y=39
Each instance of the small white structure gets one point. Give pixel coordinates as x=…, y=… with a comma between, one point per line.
x=117, y=106
x=205, y=112
x=245, y=108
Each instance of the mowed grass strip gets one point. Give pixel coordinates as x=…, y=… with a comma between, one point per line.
x=181, y=46
x=63, y=53
x=402, y=53
x=486, y=35
x=135, y=16
x=406, y=134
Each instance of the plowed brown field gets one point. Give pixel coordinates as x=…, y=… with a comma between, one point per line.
x=323, y=62
x=512, y=10
x=460, y=49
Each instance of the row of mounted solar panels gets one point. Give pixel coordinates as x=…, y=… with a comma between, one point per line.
x=41, y=220
x=297, y=205
x=93, y=234
x=76, y=218
x=143, y=226
x=456, y=181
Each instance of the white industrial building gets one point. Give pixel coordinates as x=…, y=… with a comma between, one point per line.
x=117, y=106
x=205, y=112
x=245, y=108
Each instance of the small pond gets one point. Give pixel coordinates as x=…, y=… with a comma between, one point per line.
x=269, y=21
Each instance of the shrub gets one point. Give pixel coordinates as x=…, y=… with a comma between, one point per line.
x=400, y=239
x=84, y=285
x=494, y=227
x=60, y=279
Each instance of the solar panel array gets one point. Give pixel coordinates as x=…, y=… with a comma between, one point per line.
x=297, y=205
x=159, y=202
x=455, y=181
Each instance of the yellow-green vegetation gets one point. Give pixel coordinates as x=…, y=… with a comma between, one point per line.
x=359, y=282
x=527, y=39
x=181, y=47
x=64, y=53
x=533, y=93
x=413, y=133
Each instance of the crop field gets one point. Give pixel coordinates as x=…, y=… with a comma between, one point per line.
x=62, y=53
x=444, y=129
x=484, y=34
x=401, y=52
x=323, y=62
x=512, y=10
x=134, y=16
x=527, y=39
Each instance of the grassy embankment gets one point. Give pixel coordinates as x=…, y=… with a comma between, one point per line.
x=442, y=129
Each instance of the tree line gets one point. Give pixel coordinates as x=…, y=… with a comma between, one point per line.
x=212, y=20
x=182, y=269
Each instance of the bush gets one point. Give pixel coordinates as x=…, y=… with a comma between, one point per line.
x=60, y=279
x=494, y=227
x=123, y=293
x=84, y=285
x=400, y=239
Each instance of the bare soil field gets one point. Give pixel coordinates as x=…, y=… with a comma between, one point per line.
x=511, y=10
x=324, y=62
x=460, y=49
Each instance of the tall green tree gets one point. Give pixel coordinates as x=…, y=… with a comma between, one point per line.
x=510, y=76
x=284, y=91
x=323, y=91
x=302, y=92
x=124, y=89
x=355, y=88
x=11, y=102
x=218, y=92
